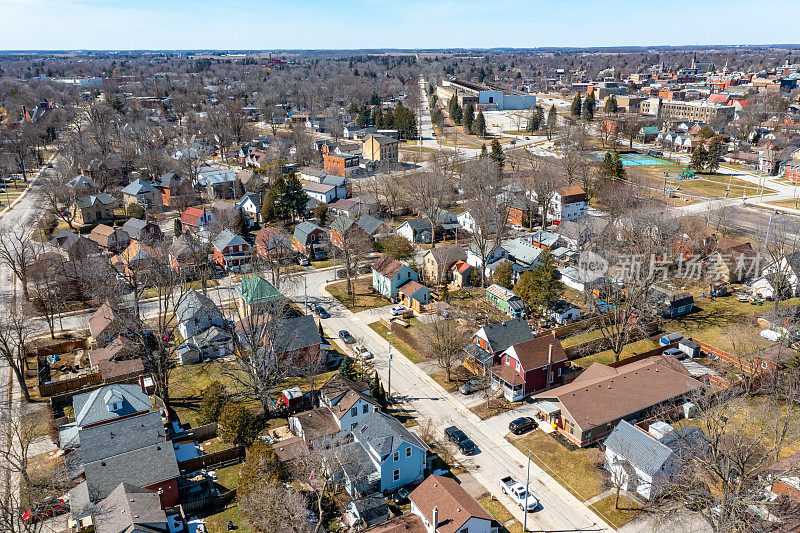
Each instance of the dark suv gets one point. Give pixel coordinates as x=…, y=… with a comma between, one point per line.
x=521, y=425
x=460, y=439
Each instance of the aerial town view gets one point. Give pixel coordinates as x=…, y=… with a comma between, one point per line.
x=399, y=267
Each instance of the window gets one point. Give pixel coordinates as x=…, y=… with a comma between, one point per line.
x=396, y=456
x=408, y=451
x=396, y=475
x=353, y=426
x=354, y=411
x=465, y=530
x=364, y=409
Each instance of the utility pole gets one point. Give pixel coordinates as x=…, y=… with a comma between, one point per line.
x=389, y=381
x=527, y=482
x=305, y=293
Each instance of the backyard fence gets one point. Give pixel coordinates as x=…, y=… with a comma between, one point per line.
x=219, y=459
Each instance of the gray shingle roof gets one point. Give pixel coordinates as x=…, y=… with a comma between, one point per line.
x=501, y=335
x=295, y=333
x=302, y=230
x=639, y=448
x=130, y=509
x=90, y=407
x=137, y=187
x=89, y=201
x=370, y=224
x=384, y=433
x=143, y=467
x=121, y=436
x=228, y=238
x=195, y=304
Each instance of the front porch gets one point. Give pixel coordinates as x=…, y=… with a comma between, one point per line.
x=509, y=382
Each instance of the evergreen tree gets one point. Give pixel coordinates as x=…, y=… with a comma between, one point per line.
x=178, y=227
x=607, y=166
x=458, y=115
x=293, y=198
x=611, y=105
x=699, y=158
x=480, y=124
x=377, y=391
x=484, y=153
x=552, y=120
x=503, y=275
x=588, y=107
x=619, y=168
x=269, y=206
x=540, y=287
x=375, y=99
x=469, y=117
x=404, y=122
x=240, y=224
x=714, y=154
x=497, y=154
x=321, y=212
x=452, y=107
x=575, y=111
x=347, y=368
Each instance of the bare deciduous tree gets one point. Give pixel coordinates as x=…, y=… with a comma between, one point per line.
x=446, y=339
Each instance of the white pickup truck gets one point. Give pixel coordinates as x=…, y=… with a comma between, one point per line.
x=519, y=494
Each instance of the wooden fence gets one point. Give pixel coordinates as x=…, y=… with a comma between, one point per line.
x=199, y=434
x=598, y=345
x=228, y=457
x=60, y=347
x=52, y=388
x=644, y=355
x=223, y=500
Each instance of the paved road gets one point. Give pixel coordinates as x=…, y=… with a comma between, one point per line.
x=425, y=399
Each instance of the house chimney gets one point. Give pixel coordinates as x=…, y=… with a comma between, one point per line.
x=549, y=367
x=435, y=521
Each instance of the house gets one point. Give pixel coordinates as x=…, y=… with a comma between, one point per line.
x=546, y=240
x=416, y=230
x=171, y=186
x=272, y=244
x=396, y=453
x=414, y=295
x=327, y=423
x=250, y=205
x=110, y=238
x=460, y=273
x=73, y=246
x=231, y=252
x=141, y=192
x=563, y=312
x=785, y=476
x=109, y=403
x=119, y=359
x=436, y=262
x=332, y=392
x=196, y=313
x=208, y=344
x=374, y=227
x=505, y=300
x=446, y=222
x=380, y=148
x=781, y=276
x=93, y=208
x=216, y=182
x=528, y=366
x=295, y=338
x=312, y=174
x=342, y=165
x=196, y=219
x=143, y=231
x=134, y=258
x=444, y=506
x=733, y=261
x=670, y=304
x=255, y=295
x=309, y=239
x=494, y=339
x=645, y=461
x=107, y=323
x=388, y=274
x=80, y=185
x=587, y=409
x=344, y=229
x=320, y=192
x=342, y=185
x=187, y=259
x=647, y=134
x=132, y=509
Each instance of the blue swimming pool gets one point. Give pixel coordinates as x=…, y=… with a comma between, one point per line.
x=631, y=160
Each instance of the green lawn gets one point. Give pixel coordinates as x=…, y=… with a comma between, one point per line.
x=217, y=523
x=581, y=337
x=575, y=470
x=791, y=204
x=458, y=376
x=501, y=514
x=397, y=344
x=322, y=264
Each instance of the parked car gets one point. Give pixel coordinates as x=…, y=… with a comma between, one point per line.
x=470, y=386
x=362, y=352
x=346, y=337
x=45, y=510
x=321, y=312
x=400, y=496
x=398, y=310
x=460, y=439
x=518, y=493
x=303, y=261
x=522, y=424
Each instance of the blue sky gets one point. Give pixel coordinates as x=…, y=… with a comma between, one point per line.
x=315, y=24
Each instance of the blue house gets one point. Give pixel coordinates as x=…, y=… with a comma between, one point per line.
x=388, y=274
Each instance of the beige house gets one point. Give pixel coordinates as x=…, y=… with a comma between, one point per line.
x=436, y=263
x=141, y=192
x=380, y=148
x=93, y=208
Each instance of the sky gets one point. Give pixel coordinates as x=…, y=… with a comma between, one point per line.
x=351, y=24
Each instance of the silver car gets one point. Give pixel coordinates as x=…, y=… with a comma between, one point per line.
x=470, y=386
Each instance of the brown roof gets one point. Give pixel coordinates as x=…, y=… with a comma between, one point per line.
x=534, y=353
x=447, y=255
x=728, y=246
x=290, y=449
x=602, y=394
x=119, y=358
x=507, y=374
x=101, y=233
x=101, y=319
x=338, y=385
x=317, y=423
x=387, y=265
x=405, y=523
x=348, y=400
x=455, y=505
x=572, y=193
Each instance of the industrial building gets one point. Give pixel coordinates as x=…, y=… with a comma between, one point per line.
x=484, y=96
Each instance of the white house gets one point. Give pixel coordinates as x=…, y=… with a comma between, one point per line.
x=569, y=203
x=444, y=506
x=563, y=312
x=785, y=272
x=250, y=204
x=320, y=192
x=637, y=461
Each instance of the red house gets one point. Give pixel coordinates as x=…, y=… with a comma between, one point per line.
x=272, y=243
x=341, y=165
x=523, y=368
x=171, y=185
x=231, y=251
x=793, y=171
x=196, y=218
